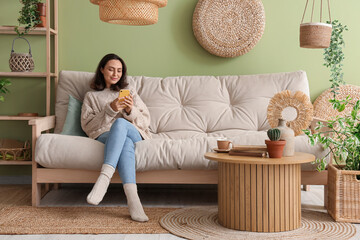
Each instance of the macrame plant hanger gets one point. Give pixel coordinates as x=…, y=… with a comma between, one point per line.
x=315, y=34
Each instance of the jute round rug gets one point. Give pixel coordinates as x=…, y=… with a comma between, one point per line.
x=202, y=223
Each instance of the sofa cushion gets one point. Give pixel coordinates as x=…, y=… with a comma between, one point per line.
x=178, y=104
x=73, y=83
x=62, y=151
x=72, y=125
x=207, y=104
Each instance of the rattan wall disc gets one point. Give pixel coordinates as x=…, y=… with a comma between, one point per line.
x=228, y=28
x=300, y=101
x=323, y=108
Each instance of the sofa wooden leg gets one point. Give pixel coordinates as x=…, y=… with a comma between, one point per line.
x=326, y=196
x=47, y=187
x=57, y=186
x=36, y=194
x=306, y=188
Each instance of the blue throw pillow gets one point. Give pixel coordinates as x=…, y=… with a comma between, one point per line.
x=72, y=125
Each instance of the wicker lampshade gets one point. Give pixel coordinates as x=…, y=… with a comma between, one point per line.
x=129, y=12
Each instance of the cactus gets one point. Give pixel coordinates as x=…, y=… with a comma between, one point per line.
x=273, y=134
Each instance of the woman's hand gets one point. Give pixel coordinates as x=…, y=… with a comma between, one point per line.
x=125, y=103
x=116, y=105
x=128, y=103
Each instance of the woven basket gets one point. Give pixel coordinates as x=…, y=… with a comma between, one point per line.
x=343, y=195
x=14, y=150
x=21, y=62
x=129, y=12
x=315, y=35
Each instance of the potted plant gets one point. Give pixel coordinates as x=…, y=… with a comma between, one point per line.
x=341, y=136
x=4, y=83
x=29, y=16
x=275, y=146
x=41, y=8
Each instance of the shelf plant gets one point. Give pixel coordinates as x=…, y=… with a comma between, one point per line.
x=4, y=83
x=340, y=135
x=29, y=16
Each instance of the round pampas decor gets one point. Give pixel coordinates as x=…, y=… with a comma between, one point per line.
x=299, y=101
x=202, y=223
x=129, y=12
x=323, y=108
x=228, y=28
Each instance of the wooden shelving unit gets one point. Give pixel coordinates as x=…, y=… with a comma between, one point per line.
x=2, y=162
x=26, y=74
x=37, y=31
x=49, y=32
x=19, y=118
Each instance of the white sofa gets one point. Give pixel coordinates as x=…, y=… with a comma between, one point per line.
x=188, y=114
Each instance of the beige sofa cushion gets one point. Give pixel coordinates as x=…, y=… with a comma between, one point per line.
x=195, y=104
x=62, y=151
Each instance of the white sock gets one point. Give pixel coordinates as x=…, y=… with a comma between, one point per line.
x=102, y=183
x=135, y=208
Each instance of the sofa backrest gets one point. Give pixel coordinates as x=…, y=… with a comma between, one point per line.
x=199, y=104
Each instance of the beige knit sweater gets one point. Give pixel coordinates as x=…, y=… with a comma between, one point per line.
x=97, y=116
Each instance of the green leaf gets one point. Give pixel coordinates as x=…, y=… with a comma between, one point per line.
x=341, y=107
x=354, y=114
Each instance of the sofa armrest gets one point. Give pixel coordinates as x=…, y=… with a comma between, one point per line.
x=314, y=123
x=41, y=124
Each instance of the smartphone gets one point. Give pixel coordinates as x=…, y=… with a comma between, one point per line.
x=123, y=93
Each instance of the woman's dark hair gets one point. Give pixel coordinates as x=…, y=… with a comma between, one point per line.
x=98, y=83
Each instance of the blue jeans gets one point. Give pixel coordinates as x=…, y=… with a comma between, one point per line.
x=120, y=148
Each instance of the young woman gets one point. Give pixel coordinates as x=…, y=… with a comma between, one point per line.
x=119, y=124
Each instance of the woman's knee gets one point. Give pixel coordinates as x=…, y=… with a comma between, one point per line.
x=119, y=123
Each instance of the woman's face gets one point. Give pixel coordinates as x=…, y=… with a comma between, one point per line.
x=112, y=72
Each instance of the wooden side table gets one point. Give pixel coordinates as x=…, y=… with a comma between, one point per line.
x=260, y=194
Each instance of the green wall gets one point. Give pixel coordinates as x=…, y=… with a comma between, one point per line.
x=167, y=48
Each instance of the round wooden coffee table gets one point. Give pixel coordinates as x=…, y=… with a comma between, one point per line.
x=259, y=194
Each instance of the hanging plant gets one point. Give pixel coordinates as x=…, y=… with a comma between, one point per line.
x=342, y=134
x=334, y=55
x=29, y=16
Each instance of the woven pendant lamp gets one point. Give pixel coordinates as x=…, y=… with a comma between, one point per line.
x=315, y=34
x=129, y=12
